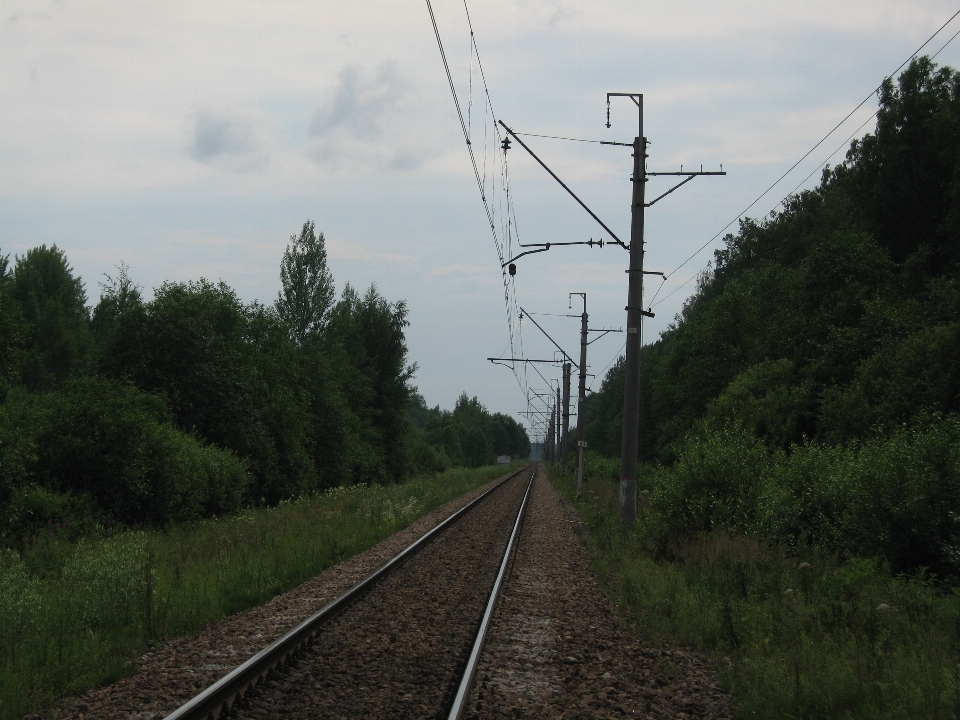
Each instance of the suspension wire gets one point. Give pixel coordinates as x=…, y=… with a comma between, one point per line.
x=829, y=157
x=470, y=93
x=874, y=92
x=557, y=137
x=857, y=131
x=512, y=229
x=480, y=179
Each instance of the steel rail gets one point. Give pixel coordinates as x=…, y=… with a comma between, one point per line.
x=223, y=694
x=459, y=707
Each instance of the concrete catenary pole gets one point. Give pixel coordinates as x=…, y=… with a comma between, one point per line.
x=558, y=436
x=553, y=423
x=582, y=396
x=631, y=389
x=566, y=416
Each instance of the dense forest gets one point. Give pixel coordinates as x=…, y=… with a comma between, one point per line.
x=809, y=391
x=192, y=403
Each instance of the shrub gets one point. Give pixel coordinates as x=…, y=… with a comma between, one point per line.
x=716, y=483
x=896, y=497
x=101, y=447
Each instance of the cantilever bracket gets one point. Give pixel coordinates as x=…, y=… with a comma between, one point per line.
x=679, y=184
x=528, y=252
x=563, y=184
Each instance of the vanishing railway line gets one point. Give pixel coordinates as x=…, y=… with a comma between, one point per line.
x=404, y=642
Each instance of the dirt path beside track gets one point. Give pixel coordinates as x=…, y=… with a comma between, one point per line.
x=557, y=650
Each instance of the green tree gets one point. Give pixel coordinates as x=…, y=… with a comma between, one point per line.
x=228, y=373
x=121, y=304
x=371, y=332
x=12, y=331
x=52, y=303
x=308, y=288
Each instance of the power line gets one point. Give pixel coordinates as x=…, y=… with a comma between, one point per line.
x=808, y=153
x=481, y=178
x=557, y=137
x=615, y=357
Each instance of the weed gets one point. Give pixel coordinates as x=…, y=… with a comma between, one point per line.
x=793, y=637
x=73, y=615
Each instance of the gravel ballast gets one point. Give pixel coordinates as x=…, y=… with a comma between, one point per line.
x=556, y=648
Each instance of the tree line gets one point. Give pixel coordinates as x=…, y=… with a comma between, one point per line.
x=193, y=403
x=823, y=344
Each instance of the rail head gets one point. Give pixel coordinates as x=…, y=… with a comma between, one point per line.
x=223, y=694
x=459, y=708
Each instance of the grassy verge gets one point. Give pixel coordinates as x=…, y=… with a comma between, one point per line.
x=810, y=637
x=72, y=615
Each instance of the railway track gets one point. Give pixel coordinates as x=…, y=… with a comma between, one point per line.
x=404, y=642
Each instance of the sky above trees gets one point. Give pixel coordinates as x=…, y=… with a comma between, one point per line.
x=193, y=139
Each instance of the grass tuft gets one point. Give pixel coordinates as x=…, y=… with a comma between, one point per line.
x=793, y=637
x=74, y=615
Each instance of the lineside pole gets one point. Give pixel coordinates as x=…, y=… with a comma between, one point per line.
x=631, y=387
x=582, y=396
x=558, y=438
x=566, y=414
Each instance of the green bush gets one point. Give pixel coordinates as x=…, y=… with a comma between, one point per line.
x=31, y=509
x=806, y=635
x=102, y=448
x=716, y=483
x=74, y=615
x=595, y=466
x=894, y=497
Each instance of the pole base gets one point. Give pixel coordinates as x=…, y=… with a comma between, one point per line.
x=628, y=500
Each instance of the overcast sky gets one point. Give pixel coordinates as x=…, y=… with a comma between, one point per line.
x=191, y=139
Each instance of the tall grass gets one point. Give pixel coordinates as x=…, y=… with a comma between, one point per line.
x=812, y=636
x=74, y=614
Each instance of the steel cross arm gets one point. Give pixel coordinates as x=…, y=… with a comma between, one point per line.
x=690, y=176
x=675, y=187
x=543, y=395
x=565, y=354
x=546, y=246
x=563, y=185
x=525, y=360
x=602, y=333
